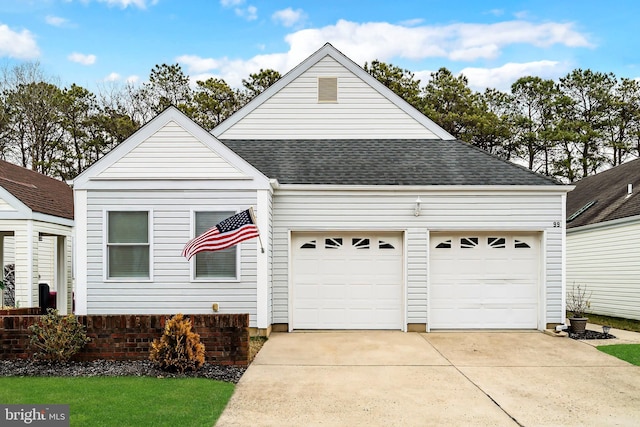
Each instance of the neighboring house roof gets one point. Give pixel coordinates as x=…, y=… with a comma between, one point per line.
x=38, y=192
x=381, y=162
x=604, y=196
x=329, y=50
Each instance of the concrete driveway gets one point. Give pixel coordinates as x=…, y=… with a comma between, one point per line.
x=449, y=378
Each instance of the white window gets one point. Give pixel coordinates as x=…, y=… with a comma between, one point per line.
x=128, y=245
x=217, y=265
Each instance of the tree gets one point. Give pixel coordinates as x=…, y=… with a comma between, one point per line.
x=622, y=120
x=534, y=121
x=78, y=109
x=214, y=101
x=450, y=102
x=590, y=94
x=402, y=82
x=259, y=82
x=168, y=85
x=35, y=124
x=493, y=123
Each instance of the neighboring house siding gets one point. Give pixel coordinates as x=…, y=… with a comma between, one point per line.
x=171, y=290
x=605, y=260
x=47, y=258
x=299, y=211
x=4, y=206
x=295, y=113
x=170, y=154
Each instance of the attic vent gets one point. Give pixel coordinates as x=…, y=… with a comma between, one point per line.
x=327, y=89
x=577, y=213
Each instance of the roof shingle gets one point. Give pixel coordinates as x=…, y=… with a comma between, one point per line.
x=38, y=192
x=381, y=162
x=608, y=190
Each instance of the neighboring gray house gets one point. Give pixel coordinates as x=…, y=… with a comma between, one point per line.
x=36, y=227
x=371, y=215
x=603, y=240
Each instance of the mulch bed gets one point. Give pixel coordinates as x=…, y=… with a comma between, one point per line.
x=590, y=335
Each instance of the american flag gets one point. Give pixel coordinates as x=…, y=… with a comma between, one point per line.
x=226, y=233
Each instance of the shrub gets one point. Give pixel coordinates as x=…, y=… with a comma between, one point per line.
x=179, y=348
x=57, y=337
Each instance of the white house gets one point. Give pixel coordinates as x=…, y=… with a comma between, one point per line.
x=36, y=222
x=603, y=240
x=371, y=216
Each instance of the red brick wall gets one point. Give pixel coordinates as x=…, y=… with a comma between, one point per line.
x=128, y=337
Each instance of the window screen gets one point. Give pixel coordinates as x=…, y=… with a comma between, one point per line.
x=218, y=264
x=128, y=244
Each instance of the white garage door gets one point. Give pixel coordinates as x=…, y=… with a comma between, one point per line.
x=347, y=280
x=484, y=280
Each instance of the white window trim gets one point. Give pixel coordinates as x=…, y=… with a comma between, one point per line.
x=105, y=249
x=192, y=261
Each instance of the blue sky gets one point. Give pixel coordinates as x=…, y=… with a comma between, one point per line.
x=93, y=42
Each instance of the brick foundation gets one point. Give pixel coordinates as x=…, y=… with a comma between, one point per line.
x=129, y=337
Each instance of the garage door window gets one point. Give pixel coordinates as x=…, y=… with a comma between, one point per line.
x=333, y=243
x=496, y=242
x=385, y=245
x=521, y=245
x=309, y=245
x=360, y=243
x=444, y=245
x=468, y=242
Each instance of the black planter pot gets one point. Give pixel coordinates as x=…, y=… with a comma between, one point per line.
x=578, y=324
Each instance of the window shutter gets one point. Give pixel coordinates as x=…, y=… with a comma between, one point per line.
x=327, y=89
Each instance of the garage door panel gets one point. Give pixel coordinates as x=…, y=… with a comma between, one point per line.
x=484, y=280
x=357, y=282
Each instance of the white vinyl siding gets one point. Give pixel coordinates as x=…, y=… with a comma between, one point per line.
x=606, y=261
x=171, y=153
x=172, y=290
x=394, y=211
x=4, y=206
x=360, y=112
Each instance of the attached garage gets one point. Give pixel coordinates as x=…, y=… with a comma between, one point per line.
x=484, y=280
x=347, y=280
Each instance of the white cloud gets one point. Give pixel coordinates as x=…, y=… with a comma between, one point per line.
x=81, y=58
x=19, y=45
x=503, y=77
x=113, y=77
x=231, y=3
x=140, y=4
x=289, y=17
x=250, y=13
x=379, y=40
x=56, y=21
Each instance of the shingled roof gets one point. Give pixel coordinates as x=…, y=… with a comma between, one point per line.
x=381, y=162
x=604, y=196
x=38, y=192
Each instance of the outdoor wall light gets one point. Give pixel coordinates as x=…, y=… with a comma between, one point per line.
x=418, y=203
x=606, y=330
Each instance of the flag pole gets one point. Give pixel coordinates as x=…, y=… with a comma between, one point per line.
x=253, y=218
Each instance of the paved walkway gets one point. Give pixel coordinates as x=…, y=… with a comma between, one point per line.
x=440, y=379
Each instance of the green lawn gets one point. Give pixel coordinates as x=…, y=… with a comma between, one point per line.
x=627, y=352
x=124, y=401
